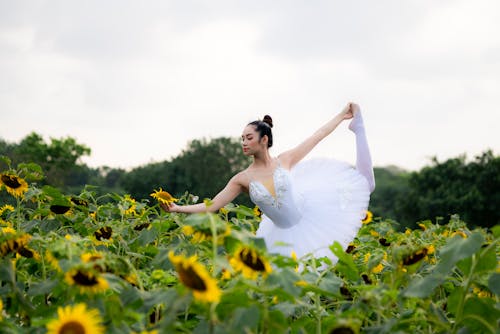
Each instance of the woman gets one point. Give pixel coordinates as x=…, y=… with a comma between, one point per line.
x=306, y=205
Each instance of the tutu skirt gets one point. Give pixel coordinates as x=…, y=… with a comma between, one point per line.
x=333, y=198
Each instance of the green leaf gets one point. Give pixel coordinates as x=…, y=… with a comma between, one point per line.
x=32, y=171
x=496, y=231
x=454, y=300
x=422, y=288
x=480, y=315
x=245, y=320
x=494, y=283
x=487, y=261
x=330, y=284
x=457, y=249
x=147, y=236
x=7, y=272
x=42, y=287
x=229, y=301
x=286, y=281
x=52, y=192
x=47, y=226
x=278, y=323
x=5, y=159
x=345, y=264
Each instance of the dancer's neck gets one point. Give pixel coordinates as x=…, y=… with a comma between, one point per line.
x=263, y=160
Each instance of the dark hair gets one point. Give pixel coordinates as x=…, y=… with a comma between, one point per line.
x=264, y=128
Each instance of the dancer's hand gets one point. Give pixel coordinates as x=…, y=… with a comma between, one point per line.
x=347, y=113
x=172, y=207
x=354, y=108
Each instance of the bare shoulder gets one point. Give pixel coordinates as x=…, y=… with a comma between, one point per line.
x=285, y=159
x=241, y=179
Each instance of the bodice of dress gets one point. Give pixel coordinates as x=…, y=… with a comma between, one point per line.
x=284, y=209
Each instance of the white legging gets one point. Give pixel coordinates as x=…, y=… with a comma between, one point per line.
x=363, y=157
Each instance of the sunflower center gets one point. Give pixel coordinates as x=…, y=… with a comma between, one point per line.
x=252, y=260
x=72, y=327
x=84, y=279
x=342, y=330
x=415, y=257
x=103, y=233
x=191, y=279
x=28, y=253
x=11, y=181
x=59, y=209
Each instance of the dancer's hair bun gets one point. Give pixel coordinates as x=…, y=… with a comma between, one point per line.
x=267, y=119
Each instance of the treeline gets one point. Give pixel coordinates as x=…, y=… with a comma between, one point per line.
x=470, y=189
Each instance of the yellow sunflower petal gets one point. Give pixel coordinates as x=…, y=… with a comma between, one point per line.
x=76, y=319
x=194, y=276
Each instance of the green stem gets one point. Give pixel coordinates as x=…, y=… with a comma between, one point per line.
x=265, y=315
x=468, y=282
x=18, y=214
x=213, y=318
x=213, y=229
x=318, y=313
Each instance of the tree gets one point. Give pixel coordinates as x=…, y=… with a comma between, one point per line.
x=392, y=187
x=471, y=190
x=59, y=159
x=202, y=169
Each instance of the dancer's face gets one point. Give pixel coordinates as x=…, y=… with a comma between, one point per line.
x=250, y=141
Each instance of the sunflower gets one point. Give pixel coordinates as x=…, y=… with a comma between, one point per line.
x=201, y=233
x=5, y=208
x=368, y=217
x=52, y=261
x=79, y=201
x=345, y=326
x=128, y=206
x=142, y=226
x=14, y=185
x=14, y=242
x=256, y=212
x=460, y=233
x=415, y=257
x=96, y=259
x=250, y=262
x=378, y=268
x=86, y=280
x=163, y=197
x=350, y=248
x=343, y=329
x=91, y=257
x=193, y=275
x=131, y=278
x=104, y=232
x=76, y=319
x=60, y=209
x=28, y=253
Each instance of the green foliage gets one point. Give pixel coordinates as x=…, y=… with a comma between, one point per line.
x=439, y=278
x=58, y=159
x=391, y=190
x=202, y=169
x=454, y=186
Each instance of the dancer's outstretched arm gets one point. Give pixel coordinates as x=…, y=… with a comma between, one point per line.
x=363, y=157
x=289, y=158
x=231, y=190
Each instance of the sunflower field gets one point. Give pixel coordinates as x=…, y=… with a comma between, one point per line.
x=77, y=263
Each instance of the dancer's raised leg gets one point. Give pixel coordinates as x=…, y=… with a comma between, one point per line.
x=363, y=157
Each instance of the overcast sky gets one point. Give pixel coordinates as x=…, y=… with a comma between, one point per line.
x=136, y=80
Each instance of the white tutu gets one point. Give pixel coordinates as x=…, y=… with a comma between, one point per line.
x=332, y=197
